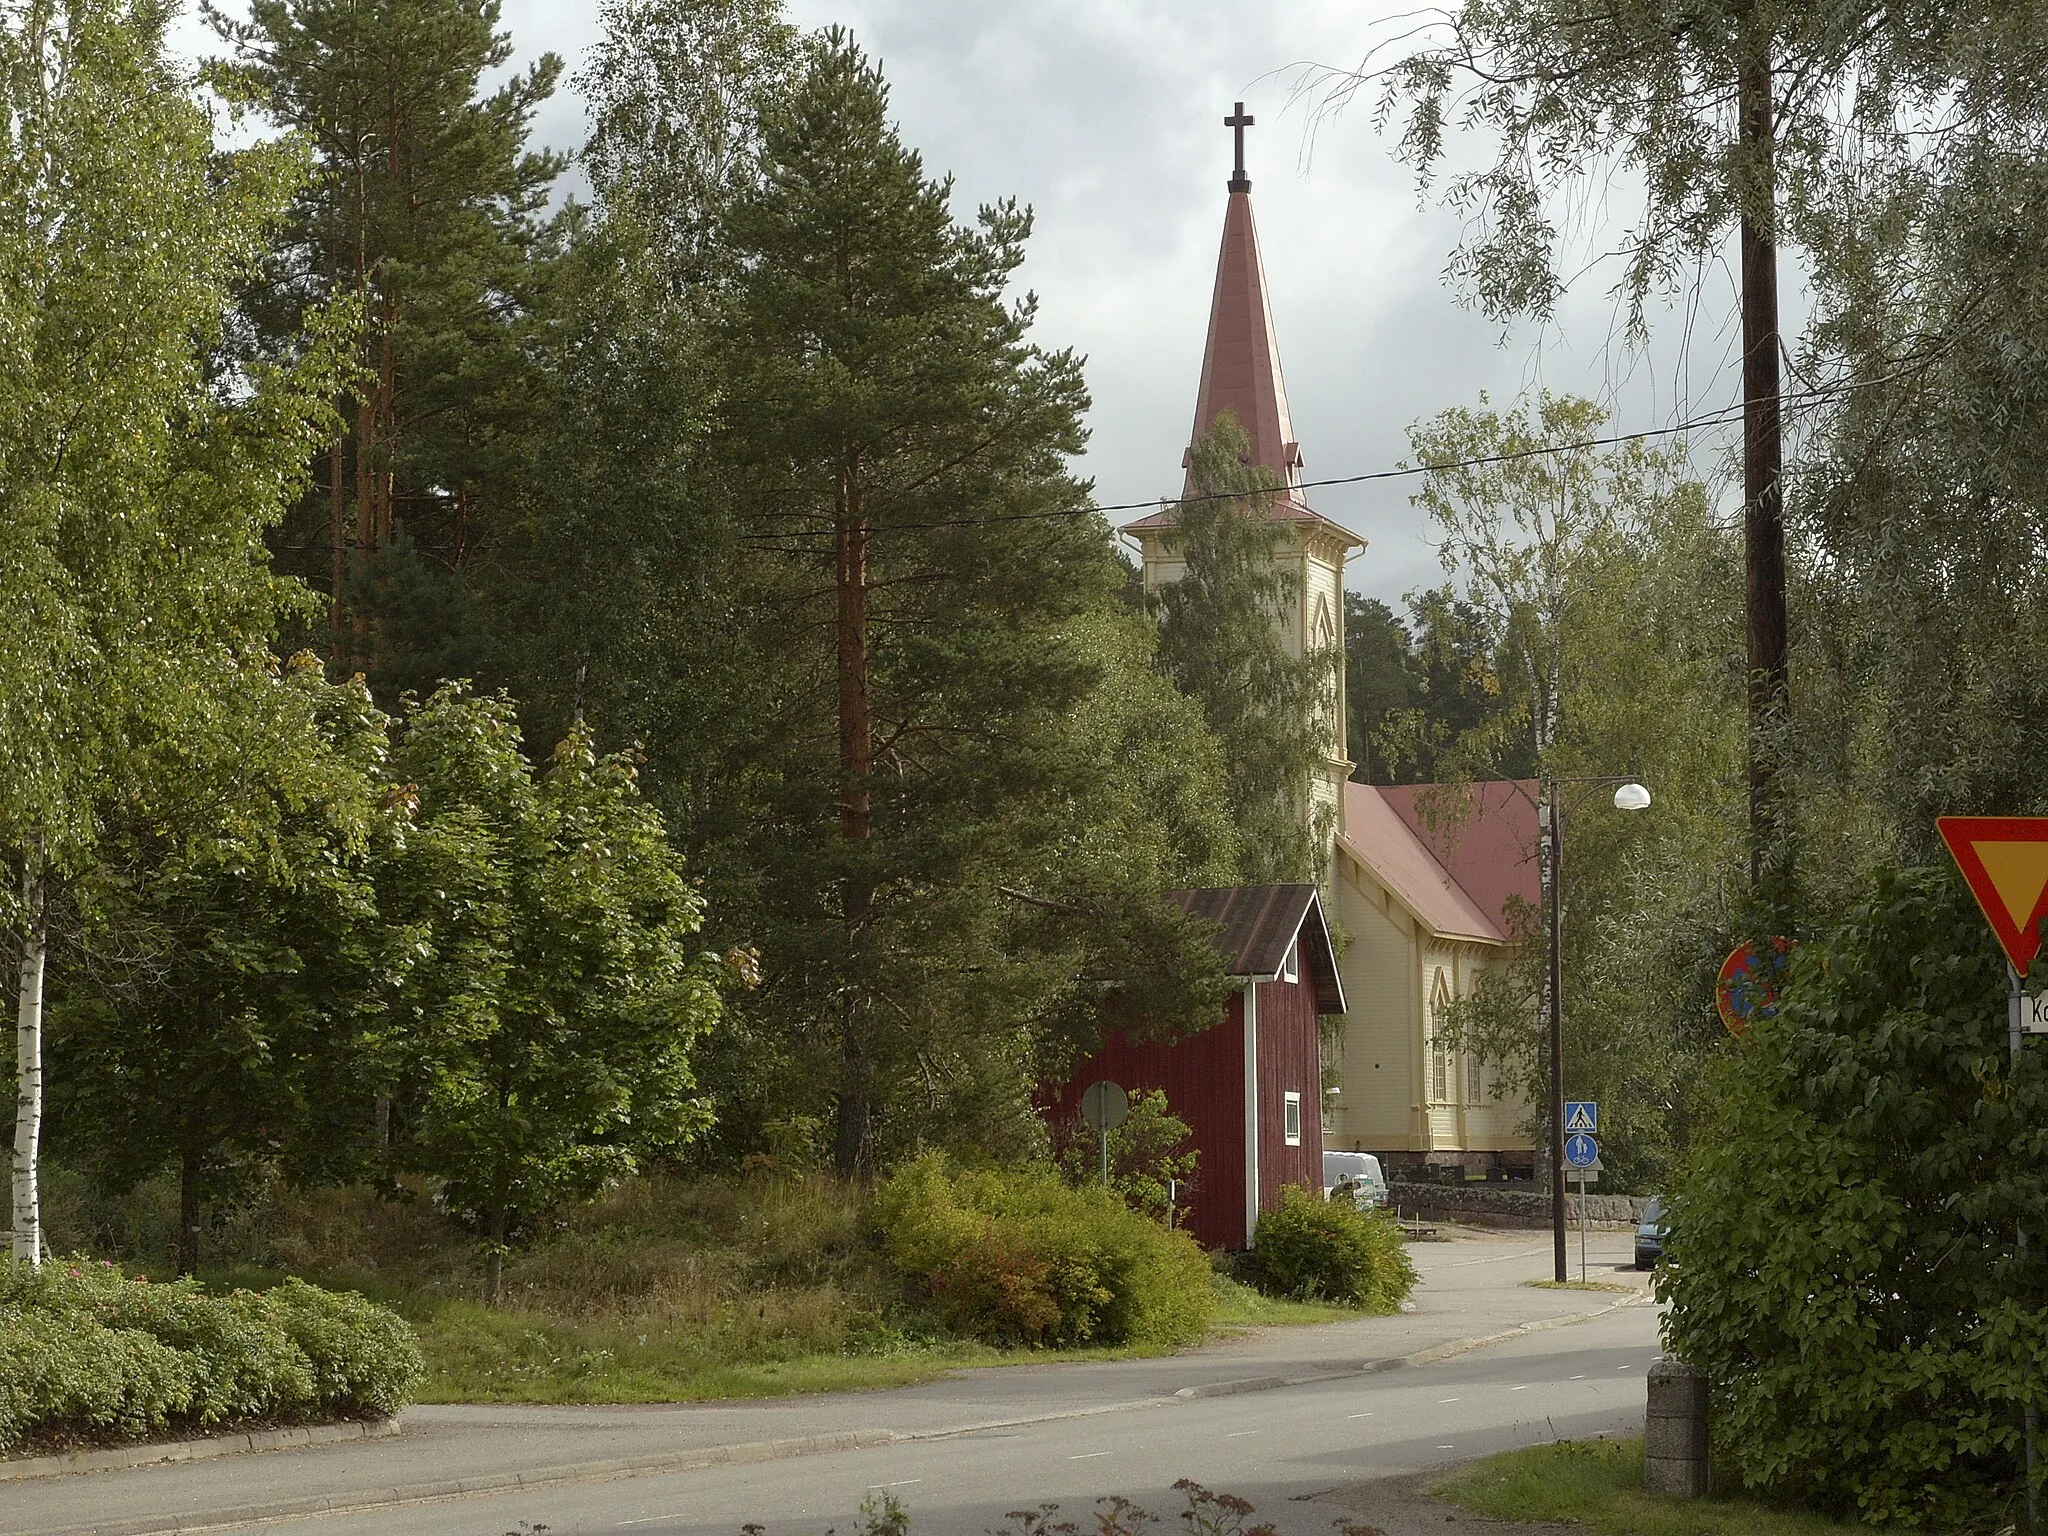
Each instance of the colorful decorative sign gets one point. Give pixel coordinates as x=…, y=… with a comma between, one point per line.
x=2004, y=860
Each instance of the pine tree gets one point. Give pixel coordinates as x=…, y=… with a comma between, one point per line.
x=919, y=559
x=428, y=214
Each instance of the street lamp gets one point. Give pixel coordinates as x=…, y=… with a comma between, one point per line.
x=1628, y=796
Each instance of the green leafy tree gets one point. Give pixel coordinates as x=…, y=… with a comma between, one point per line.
x=231, y=958
x=541, y=1041
x=428, y=215
x=1378, y=680
x=1731, y=115
x=677, y=92
x=1611, y=582
x=1461, y=697
x=1843, y=1261
x=1152, y=1157
x=1220, y=643
x=138, y=471
x=1924, y=501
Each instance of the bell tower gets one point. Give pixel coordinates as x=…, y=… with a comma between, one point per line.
x=1241, y=374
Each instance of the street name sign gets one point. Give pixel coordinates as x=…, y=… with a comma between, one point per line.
x=1581, y=1115
x=1581, y=1151
x=2004, y=860
x=2034, y=1014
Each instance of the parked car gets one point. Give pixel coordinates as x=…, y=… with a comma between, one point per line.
x=1355, y=1174
x=1650, y=1234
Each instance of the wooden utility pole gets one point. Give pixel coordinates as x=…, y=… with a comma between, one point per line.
x=1763, y=460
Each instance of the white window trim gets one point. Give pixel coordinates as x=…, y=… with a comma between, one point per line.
x=1290, y=1118
x=1290, y=967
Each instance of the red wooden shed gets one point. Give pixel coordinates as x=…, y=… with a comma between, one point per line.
x=1250, y=1087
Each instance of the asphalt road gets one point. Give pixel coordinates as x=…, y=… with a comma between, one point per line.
x=1294, y=1452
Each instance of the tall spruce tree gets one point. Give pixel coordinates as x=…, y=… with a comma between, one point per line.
x=1220, y=643
x=428, y=214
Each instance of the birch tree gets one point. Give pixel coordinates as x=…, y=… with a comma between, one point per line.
x=1520, y=513
x=136, y=478
x=1742, y=117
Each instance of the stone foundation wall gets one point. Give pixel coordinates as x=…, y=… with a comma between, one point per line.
x=1481, y=1205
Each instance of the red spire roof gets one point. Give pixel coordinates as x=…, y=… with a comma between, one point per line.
x=1241, y=364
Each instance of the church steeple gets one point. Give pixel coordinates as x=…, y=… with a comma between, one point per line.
x=1241, y=364
x=1241, y=374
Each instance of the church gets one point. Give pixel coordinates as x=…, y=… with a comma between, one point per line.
x=1423, y=885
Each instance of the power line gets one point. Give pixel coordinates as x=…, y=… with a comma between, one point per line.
x=1721, y=417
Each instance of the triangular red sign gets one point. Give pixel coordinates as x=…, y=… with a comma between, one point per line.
x=2005, y=861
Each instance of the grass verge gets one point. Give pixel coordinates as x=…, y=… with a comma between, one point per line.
x=1599, y=1485
x=1579, y=1285
x=667, y=1290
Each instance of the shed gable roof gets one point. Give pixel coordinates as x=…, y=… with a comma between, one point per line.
x=1258, y=924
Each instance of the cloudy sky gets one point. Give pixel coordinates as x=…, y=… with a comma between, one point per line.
x=1106, y=116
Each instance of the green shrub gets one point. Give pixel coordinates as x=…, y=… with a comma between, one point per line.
x=364, y=1357
x=1311, y=1249
x=1014, y=1256
x=1841, y=1258
x=89, y=1352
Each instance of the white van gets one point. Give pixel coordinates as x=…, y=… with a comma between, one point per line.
x=1361, y=1170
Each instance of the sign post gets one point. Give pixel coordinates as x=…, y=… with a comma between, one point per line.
x=2004, y=861
x=1581, y=1153
x=1105, y=1106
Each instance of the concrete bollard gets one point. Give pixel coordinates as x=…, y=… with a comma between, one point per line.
x=1675, y=1431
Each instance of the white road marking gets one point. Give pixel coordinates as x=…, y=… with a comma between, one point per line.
x=1442, y=1400
x=1525, y=1386
x=904, y=1484
x=1235, y=1433
x=1357, y=1415
x=1090, y=1455
x=1575, y=1378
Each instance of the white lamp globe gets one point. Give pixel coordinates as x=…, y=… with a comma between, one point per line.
x=1632, y=797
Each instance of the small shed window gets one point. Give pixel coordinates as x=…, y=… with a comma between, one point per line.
x=1290, y=968
x=1290, y=1118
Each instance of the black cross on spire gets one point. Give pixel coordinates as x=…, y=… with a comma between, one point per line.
x=1240, y=120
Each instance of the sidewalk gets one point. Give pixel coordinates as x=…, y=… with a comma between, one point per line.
x=1472, y=1289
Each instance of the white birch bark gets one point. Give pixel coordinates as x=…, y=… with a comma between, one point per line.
x=28, y=1105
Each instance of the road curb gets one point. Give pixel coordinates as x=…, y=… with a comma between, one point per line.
x=443, y=1490
x=203, y=1448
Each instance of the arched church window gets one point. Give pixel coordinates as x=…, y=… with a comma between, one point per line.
x=1439, y=1054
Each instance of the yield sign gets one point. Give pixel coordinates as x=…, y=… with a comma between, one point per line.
x=2005, y=861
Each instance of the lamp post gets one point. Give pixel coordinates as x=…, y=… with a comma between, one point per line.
x=1629, y=796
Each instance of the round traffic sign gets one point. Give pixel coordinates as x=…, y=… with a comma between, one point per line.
x=1747, y=984
x=1104, y=1105
x=1581, y=1151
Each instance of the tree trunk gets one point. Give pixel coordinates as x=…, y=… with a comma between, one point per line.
x=494, y=1265
x=186, y=1252
x=1763, y=489
x=853, y=1144
x=337, y=574
x=27, y=1242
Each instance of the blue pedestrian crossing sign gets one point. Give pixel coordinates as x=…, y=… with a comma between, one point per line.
x=1581, y=1151
x=1581, y=1115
